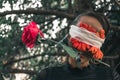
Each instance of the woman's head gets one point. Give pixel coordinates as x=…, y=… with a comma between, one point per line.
x=87, y=33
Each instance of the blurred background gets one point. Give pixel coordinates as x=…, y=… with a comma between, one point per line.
x=53, y=17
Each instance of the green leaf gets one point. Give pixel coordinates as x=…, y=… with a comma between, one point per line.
x=69, y=50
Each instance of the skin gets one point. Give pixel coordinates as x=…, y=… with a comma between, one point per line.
x=91, y=21
x=95, y=24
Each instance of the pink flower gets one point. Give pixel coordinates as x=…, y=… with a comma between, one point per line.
x=30, y=34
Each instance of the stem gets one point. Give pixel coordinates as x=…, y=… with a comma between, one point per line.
x=102, y=62
x=62, y=39
x=57, y=43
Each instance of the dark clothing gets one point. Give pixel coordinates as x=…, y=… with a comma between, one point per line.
x=65, y=72
x=1, y=77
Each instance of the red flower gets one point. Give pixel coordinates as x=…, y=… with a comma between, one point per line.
x=30, y=34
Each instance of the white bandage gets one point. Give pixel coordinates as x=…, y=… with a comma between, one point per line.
x=85, y=36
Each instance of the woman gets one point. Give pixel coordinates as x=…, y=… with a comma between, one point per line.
x=87, y=34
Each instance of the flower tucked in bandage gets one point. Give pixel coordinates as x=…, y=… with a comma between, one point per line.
x=85, y=38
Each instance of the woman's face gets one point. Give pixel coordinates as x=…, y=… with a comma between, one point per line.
x=96, y=25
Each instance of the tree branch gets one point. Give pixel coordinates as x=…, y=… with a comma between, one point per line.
x=39, y=12
x=34, y=56
x=6, y=71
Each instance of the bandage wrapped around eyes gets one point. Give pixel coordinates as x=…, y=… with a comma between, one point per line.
x=85, y=36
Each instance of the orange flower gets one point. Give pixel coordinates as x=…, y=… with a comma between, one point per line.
x=79, y=45
x=83, y=46
x=100, y=34
x=96, y=52
x=76, y=45
x=88, y=27
x=98, y=55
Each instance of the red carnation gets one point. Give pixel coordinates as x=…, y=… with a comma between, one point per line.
x=30, y=34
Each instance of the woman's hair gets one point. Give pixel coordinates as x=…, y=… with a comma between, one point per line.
x=100, y=17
